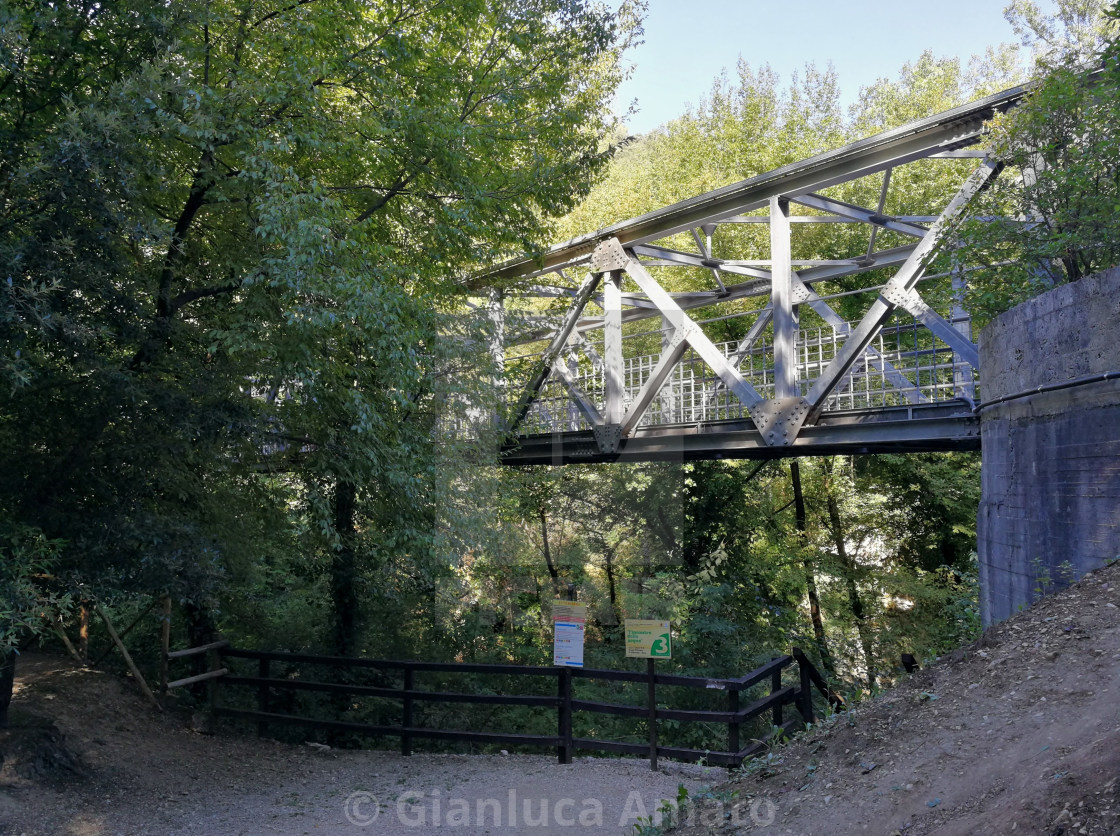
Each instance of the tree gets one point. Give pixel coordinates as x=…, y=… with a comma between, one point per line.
x=816, y=617
x=1076, y=31
x=234, y=236
x=1060, y=197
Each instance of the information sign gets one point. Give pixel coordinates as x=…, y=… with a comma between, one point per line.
x=647, y=639
x=569, y=620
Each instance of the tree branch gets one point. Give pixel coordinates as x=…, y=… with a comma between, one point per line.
x=398, y=188
x=189, y=296
x=278, y=12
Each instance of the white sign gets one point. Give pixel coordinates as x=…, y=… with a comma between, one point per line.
x=569, y=619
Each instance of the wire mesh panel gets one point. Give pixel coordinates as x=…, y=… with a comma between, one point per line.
x=904, y=364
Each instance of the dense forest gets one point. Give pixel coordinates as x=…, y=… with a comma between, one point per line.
x=236, y=238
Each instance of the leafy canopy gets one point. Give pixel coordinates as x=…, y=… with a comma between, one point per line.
x=233, y=235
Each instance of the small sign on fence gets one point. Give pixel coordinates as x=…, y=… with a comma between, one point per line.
x=647, y=639
x=569, y=619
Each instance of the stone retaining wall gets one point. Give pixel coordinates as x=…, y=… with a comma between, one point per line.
x=1050, y=505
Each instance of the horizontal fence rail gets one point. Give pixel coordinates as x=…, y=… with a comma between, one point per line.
x=210, y=650
x=269, y=690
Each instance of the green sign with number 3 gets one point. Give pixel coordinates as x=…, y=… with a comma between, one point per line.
x=647, y=639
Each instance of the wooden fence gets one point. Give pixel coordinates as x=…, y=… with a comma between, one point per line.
x=266, y=687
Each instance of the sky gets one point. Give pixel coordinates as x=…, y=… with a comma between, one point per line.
x=689, y=42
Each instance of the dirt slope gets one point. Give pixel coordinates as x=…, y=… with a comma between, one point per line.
x=1017, y=733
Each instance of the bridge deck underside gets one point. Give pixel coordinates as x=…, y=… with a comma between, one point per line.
x=929, y=428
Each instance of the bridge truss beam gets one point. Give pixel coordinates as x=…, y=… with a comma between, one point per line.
x=900, y=377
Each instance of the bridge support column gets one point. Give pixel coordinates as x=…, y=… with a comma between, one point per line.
x=1050, y=426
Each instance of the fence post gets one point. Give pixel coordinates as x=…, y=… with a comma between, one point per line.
x=775, y=686
x=164, y=640
x=564, y=715
x=733, y=724
x=652, y=716
x=212, y=689
x=805, y=697
x=406, y=713
x=262, y=697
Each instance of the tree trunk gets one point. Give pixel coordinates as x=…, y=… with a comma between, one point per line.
x=552, y=571
x=7, y=684
x=801, y=523
x=854, y=598
x=344, y=572
x=345, y=616
x=612, y=592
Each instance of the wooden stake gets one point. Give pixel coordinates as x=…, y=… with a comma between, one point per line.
x=128, y=659
x=124, y=633
x=83, y=631
x=68, y=644
x=564, y=750
x=650, y=670
x=164, y=641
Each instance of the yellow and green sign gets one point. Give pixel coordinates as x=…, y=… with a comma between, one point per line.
x=647, y=639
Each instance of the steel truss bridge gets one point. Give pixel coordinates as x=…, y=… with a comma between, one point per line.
x=680, y=343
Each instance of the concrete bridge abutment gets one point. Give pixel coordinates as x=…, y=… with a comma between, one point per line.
x=1050, y=428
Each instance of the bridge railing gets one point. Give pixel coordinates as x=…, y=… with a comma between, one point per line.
x=904, y=364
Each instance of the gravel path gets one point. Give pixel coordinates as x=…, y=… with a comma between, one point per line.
x=145, y=773
x=382, y=793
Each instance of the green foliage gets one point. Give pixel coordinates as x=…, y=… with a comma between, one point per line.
x=234, y=239
x=931, y=85
x=744, y=126
x=1062, y=147
x=1075, y=30
x=29, y=604
x=932, y=501
x=233, y=314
